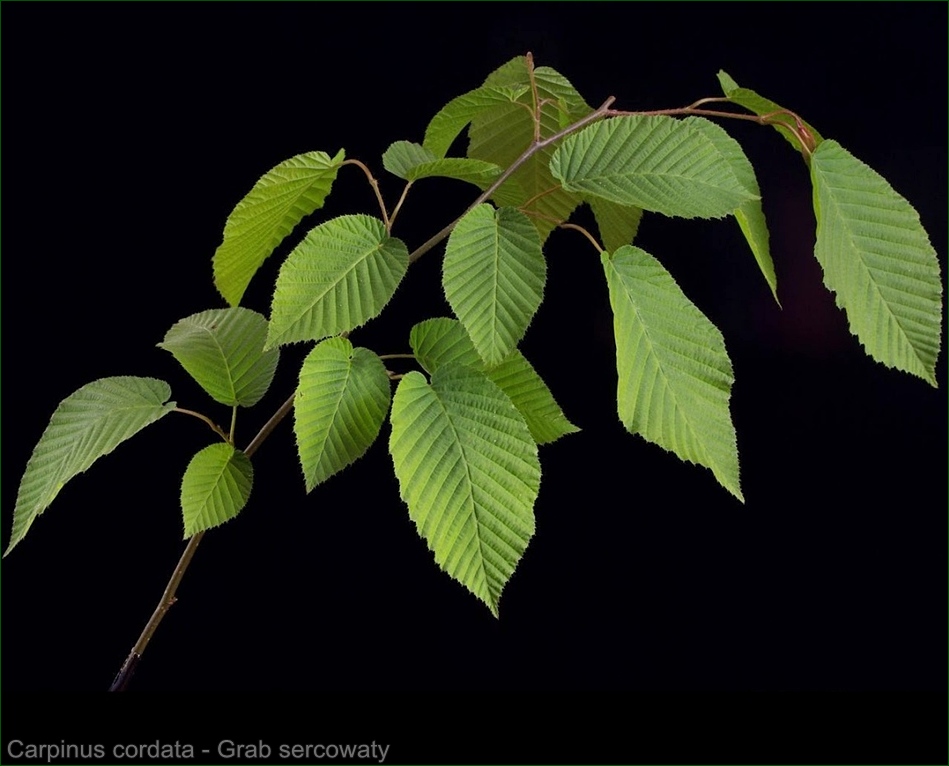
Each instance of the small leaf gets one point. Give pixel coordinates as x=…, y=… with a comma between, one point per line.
x=468, y=470
x=341, y=276
x=215, y=487
x=413, y=162
x=277, y=203
x=457, y=113
x=86, y=425
x=494, y=274
x=656, y=163
x=675, y=376
x=222, y=350
x=878, y=261
x=340, y=403
x=437, y=342
x=617, y=223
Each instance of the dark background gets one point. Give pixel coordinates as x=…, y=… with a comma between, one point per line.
x=129, y=133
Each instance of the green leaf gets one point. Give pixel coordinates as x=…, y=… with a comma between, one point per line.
x=222, y=350
x=457, y=113
x=215, y=487
x=750, y=214
x=340, y=403
x=657, y=163
x=437, y=342
x=878, y=261
x=341, y=276
x=675, y=376
x=413, y=162
x=277, y=203
x=762, y=106
x=494, y=273
x=468, y=470
x=86, y=425
x=617, y=223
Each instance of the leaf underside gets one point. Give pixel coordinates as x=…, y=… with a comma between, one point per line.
x=340, y=404
x=878, y=261
x=675, y=376
x=468, y=470
x=86, y=425
x=412, y=162
x=215, y=487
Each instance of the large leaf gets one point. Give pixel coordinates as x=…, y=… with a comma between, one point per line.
x=617, y=223
x=340, y=403
x=494, y=273
x=437, y=342
x=762, y=106
x=878, y=261
x=222, y=350
x=86, y=425
x=468, y=469
x=340, y=276
x=675, y=376
x=657, y=163
x=413, y=162
x=215, y=487
x=457, y=113
x=277, y=203
x=750, y=214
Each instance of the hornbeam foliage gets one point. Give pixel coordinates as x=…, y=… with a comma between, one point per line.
x=469, y=410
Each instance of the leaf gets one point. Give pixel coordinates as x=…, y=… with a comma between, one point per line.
x=87, y=424
x=617, y=223
x=468, y=470
x=750, y=214
x=675, y=376
x=493, y=274
x=457, y=113
x=413, y=162
x=878, y=261
x=278, y=202
x=657, y=163
x=341, y=276
x=222, y=350
x=340, y=403
x=215, y=487
x=437, y=342
x=762, y=106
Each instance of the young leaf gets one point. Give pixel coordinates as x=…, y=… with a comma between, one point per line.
x=675, y=376
x=341, y=276
x=750, y=214
x=493, y=274
x=657, y=163
x=222, y=350
x=437, y=342
x=86, y=425
x=468, y=470
x=457, y=113
x=413, y=162
x=340, y=403
x=617, y=223
x=277, y=203
x=215, y=487
x=878, y=261
x=762, y=106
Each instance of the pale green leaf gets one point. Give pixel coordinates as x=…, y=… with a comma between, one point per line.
x=340, y=276
x=277, y=203
x=763, y=106
x=878, y=261
x=215, y=487
x=657, y=163
x=617, y=223
x=437, y=342
x=457, y=113
x=340, y=403
x=413, y=162
x=86, y=425
x=222, y=349
x=493, y=274
x=469, y=472
x=675, y=376
x=750, y=214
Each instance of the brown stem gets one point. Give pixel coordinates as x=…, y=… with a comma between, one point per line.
x=375, y=187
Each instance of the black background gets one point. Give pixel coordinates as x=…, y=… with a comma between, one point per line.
x=129, y=133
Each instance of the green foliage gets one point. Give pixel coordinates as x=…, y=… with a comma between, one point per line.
x=215, y=487
x=413, y=162
x=86, y=425
x=222, y=350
